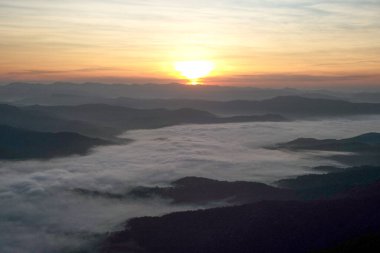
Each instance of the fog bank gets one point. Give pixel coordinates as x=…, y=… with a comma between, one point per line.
x=41, y=212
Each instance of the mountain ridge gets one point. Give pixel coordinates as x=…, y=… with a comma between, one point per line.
x=21, y=144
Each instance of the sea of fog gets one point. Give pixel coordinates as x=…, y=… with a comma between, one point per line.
x=40, y=212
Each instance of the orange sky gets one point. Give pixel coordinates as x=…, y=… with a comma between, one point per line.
x=251, y=42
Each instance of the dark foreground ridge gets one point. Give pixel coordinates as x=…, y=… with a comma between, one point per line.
x=21, y=144
x=342, y=210
x=294, y=227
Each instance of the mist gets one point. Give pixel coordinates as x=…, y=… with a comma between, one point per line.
x=40, y=210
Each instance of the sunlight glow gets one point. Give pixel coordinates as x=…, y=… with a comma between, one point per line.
x=194, y=70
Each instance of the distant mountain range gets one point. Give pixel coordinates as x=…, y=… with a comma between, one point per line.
x=75, y=94
x=70, y=93
x=20, y=144
x=293, y=106
x=215, y=99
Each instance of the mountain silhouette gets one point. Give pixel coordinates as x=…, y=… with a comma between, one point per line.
x=22, y=144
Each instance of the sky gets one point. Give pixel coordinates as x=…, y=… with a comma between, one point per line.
x=299, y=43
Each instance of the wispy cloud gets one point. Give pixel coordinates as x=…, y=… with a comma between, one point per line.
x=51, y=72
x=142, y=36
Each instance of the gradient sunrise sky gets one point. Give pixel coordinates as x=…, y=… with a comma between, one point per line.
x=252, y=42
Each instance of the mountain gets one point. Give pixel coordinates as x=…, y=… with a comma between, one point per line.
x=291, y=106
x=338, y=209
x=294, y=105
x=269, y=226
x=360, y=150
x=215, y=99
x=62, y=93
x=106, y=121
x=373, y=97
x=186, y=191
x=124, y=118
x=317, y=186
x=306, y=187
x=65, y=93
x=19, y=144
x=369, y=142
x=39, y=121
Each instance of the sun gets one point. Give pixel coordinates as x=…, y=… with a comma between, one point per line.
x=194, y=70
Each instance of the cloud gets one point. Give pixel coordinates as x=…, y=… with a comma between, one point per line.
x=280, y=80
x=144, y=35
x=52, y=72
